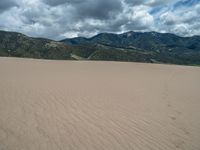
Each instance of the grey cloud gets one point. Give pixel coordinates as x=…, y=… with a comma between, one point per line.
x=55, y=2
x=183, y=21
x=60, y=2
x=151, y=3
x=155, y=3
x=6, y=4
x=135, y=2
x=98, y=9
x=57, y=19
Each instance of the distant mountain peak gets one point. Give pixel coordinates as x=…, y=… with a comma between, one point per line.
x=130, y=46
x=128, y=34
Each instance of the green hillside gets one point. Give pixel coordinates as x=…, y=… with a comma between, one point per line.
x=148, y=47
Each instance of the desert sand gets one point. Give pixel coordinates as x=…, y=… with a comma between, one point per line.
x=82, y=105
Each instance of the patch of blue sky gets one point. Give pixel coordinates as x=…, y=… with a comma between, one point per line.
x=173, y=6
x=156, y=10
x=185, y=3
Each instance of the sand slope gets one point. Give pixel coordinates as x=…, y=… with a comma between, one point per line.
x=69, y=105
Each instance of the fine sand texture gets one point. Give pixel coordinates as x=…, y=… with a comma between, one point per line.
x=82, y=105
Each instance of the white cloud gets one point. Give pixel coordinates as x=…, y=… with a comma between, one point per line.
x=57, y=19
x=181, y=21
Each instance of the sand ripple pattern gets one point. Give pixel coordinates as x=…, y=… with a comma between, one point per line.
x=68, y=105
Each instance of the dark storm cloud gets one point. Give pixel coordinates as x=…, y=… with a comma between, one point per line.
x=6, y=4
x=97, y=9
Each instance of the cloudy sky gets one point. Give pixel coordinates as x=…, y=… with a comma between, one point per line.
x=57, y=19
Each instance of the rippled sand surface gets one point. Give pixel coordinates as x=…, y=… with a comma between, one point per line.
x=80, y=105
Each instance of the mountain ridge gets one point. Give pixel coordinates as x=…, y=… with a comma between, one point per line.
x=132, y=36
x=149, y=47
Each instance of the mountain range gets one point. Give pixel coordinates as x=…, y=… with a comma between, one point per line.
x=150, y=47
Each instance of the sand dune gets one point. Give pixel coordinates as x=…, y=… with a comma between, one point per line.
x=71, y=105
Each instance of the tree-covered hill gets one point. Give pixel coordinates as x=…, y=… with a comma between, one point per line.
x=148, y=47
